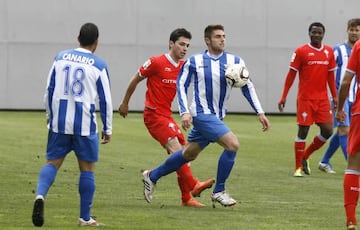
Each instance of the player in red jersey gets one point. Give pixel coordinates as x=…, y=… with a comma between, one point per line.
x=352, y=172
x=315, y=64
x=161, y=73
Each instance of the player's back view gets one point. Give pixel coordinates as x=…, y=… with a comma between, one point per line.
x=77, y=79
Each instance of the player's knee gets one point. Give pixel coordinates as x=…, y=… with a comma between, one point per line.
x=327, y=133
x=190, y=156
x=233, y=146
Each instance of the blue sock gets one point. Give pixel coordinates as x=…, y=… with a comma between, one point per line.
x=331, y=149
x=86, y=191
x=171, y=164
x=343, y=143
x=225, y=165
x=46, y=179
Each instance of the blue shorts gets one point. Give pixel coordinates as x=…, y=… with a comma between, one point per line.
x=347, y=110
x=86, y=148
x=207, y=128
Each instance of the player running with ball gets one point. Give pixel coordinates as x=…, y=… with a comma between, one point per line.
x=206, y=71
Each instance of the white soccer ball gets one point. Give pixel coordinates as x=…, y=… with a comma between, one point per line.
x=237, y=75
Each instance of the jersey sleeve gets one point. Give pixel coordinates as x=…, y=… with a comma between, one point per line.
x=353, y=63
x=332, y=61
x=295, y=62
x=49, y=91
x=182, y=84
x=105, y=101
x=148, y=68
x=251, y=96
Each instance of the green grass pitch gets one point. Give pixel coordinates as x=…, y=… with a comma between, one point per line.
x=268, y=196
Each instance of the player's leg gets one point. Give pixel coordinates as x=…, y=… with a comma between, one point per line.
x=344, y=129
x=316, y=143
x=299, y=149
x=351, y=178
x=214, y=130
x=57, y=147
x=225, y=164
x=351, y=193
x=227, y=159
x=334, y=144
x=187, y=183
x=323, y=118
x=324, y=164
x=343, y=139
x=87, y=152
x=175, y=161
x=171, y=164
x=304, y=119
x=319, y=140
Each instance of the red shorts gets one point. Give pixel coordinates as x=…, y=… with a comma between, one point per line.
x=354, y=136
x=162, y=128
x=313, y=111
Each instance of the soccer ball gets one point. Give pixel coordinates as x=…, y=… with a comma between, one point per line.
x=237, y=75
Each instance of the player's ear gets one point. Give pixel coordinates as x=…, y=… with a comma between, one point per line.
x=95, y=45
x=207, y=40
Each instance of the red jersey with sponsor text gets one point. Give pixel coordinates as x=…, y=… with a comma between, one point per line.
x=161, y=73
x=313, y=66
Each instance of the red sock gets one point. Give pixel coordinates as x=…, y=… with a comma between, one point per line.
x=186, y=181
x=351, y=196
x=315, y=145
x=299, y=152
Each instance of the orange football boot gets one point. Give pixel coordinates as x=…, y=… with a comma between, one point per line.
x=201, y=186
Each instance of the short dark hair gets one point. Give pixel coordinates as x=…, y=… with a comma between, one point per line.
x=179, y=32
x=317, y=24
x=210, y=28
x=88, y=34
x=353, y=22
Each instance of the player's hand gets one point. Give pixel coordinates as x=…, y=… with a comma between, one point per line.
x=105, y=138
x=281, y=105
x=340, y=116
x=265, y=122
x=186, y=121
x=123, y=110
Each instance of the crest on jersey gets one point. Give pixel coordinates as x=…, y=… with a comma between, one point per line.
x=326, y=53
x=146, y=64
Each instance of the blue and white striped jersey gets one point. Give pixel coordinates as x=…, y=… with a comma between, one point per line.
x=210, y=90
x=342, y=53
x=77, y=81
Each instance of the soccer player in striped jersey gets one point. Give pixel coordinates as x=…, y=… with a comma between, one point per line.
x=340, y=137
x=315, y=64
x=351, y=187
x=206, y=73
x=78, y=79
x=161, y=73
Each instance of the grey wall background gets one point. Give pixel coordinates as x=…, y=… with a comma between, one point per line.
x=263, y=32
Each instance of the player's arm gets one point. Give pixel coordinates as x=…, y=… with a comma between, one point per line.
x=251, y=96
x=49, y=90
x=124, y=106
x=105, y=103
x=332, y=87
x=343, y=93
x=290, y=77
x=182, y=85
